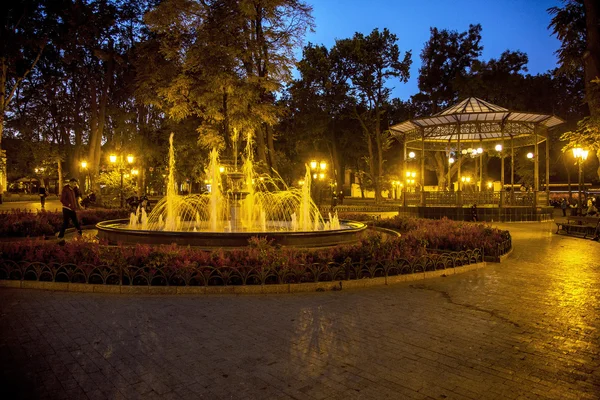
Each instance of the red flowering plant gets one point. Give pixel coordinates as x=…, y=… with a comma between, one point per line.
x=18, y=223
x=445, y=234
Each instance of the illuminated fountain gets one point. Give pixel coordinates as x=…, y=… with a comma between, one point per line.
x=240, y=205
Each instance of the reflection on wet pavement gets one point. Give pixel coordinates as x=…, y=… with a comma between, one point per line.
x=525, y=328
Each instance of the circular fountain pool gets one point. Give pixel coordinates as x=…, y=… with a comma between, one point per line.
x=240, y=205
x=119, y=231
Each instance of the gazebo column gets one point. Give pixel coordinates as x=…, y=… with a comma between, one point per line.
x=547, y=168
x=404, y=175
x=512, y=170
x=536, y=162
x=481, y=168
x=459, y=160
x=502, y=191
x=422, y=166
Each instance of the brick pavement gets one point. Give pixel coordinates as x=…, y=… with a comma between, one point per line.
x=52, y=204
x=526, y=328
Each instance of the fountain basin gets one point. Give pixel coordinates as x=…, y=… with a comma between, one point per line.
x=116, y=231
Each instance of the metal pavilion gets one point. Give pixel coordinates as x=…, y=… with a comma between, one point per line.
x=476, y=123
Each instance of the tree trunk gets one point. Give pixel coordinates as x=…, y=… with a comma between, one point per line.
x=271, y=148
x=60, y=176
x=3, y=72
x=591, y=60
x=378, y=141
x=260, y=146
x=97, y=123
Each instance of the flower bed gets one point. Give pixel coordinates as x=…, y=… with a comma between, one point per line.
x=417, y=250
x=31, y=224
x=258, y=264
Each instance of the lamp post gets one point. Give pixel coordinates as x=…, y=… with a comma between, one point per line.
x=83, y=166
x=318, y=170
x=465, y=180
x=450, y=162
x=410, y=178
x=113, y=158
x=580, y=155
x=397, y=185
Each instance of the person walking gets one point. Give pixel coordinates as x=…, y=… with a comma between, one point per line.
x=563, y=207
x=474, y=216
x=70, y=205
x=1, y=191
x=43, y=195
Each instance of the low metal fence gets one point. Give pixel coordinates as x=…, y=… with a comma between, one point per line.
x=229, y=276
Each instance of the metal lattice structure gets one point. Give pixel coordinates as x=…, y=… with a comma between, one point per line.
x=475, y=123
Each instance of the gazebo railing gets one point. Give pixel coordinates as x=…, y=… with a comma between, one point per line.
x=481, y=198
x=440, y=198
x=435, y=198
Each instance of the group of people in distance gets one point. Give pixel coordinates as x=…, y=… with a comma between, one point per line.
x=337, y=199
x=590, y=208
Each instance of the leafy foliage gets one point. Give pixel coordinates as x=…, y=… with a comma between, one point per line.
x=26, y=223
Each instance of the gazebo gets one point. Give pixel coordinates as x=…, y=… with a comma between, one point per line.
x=468, y=129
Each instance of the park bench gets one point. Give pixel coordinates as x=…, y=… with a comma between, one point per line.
x=578, y=225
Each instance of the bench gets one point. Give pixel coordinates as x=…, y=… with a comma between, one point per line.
x=585, y=226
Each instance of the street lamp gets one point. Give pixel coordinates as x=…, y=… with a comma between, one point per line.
x=450, y=162
x=580, y=155
x=410, y=178
x=318, y=174
x=465, y=180
x=84, y=166
x=397, y=185
x=121, y=166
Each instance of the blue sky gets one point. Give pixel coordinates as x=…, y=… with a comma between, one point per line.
x=507, y=24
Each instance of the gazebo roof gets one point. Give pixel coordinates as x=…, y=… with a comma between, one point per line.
x=475, y=120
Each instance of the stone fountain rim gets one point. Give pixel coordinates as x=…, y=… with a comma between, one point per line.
x=355, y=227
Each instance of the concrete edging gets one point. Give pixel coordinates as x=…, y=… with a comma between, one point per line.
x=247, y=289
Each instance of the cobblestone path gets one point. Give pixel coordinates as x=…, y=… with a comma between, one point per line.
x=526, y=328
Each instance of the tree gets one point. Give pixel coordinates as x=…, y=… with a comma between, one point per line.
x=321, y=105
x=372, y=60
x=230, y=58
x=576, y=26
x=446, y=58
x=25, y=31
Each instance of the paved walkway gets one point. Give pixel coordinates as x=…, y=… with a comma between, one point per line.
x=52, y=204
x=526, y=328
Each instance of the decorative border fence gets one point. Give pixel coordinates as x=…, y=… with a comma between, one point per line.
x=204, y=276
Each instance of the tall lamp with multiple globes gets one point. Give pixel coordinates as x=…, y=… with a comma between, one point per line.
x=119, y=162
x=319, y=173
x=84, y=166
x=580, y=155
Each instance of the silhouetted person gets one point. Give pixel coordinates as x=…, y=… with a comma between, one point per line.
x=474, y=216
x=69, y=207
x=563, y=207
x=43, y=195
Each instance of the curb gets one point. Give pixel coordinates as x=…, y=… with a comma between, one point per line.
x=238, y=290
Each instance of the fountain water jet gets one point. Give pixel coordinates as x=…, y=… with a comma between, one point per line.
x=252, y=205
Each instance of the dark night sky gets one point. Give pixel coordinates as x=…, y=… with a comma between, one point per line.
x=507, y=24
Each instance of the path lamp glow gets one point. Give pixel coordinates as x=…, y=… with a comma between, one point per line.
x=580, y=155
x=121, y=167
x=410, y=178
x=84, y=169
x=318, y=169
x=450, y=162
